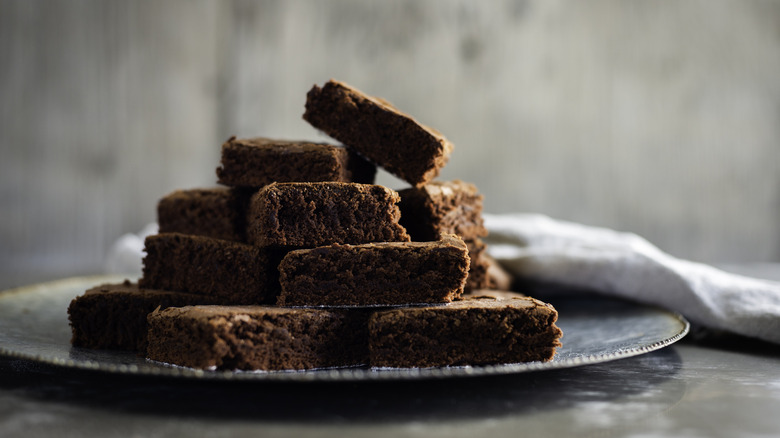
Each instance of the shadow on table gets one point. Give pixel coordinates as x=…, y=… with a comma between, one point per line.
x=326, y=402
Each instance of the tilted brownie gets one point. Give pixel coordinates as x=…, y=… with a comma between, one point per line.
x=305, y=215
x=256, y=162
x=478, y=331
x=232, y=272
x=452, y=207
x=218, y=212
x=113, y=316
x=392, y=273
x=378, y=131
x=257, y=337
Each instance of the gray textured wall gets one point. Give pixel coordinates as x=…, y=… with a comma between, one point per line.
x=661, y=118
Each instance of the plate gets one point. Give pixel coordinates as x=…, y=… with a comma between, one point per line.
x=34, y=326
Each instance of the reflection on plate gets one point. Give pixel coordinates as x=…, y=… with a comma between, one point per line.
x=34, y=326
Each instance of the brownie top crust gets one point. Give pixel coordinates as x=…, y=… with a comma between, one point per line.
x=282, y=147
x=131, y=288
x=490, y=300
x=379, y=131
x=222, y=314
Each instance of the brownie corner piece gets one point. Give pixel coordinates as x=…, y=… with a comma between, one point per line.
x=372, y=126
x=478, y=331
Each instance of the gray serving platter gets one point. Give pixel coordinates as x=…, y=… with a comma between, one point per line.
x=34, y=326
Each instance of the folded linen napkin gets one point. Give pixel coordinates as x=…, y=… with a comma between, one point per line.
x=625, y=265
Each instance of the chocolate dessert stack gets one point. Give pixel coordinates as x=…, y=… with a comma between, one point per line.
x=299, y=261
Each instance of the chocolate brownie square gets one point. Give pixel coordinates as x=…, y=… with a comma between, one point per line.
x=305, y=215
x=256, y=162
x=232, y=272
x=258, y=337
x=452, y=207
x=113, y=316
x=390, y=273
x=218, y=212
x=478, y=331
x=378, y=131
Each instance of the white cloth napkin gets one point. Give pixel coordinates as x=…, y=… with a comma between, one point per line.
x=625, y=265
x=126, y=254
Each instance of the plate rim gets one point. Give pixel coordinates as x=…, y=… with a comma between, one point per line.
x=344, y=374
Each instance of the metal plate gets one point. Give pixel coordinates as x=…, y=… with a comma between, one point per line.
x=34, y=326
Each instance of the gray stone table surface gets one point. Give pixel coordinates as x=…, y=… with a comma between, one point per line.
x=709, y=384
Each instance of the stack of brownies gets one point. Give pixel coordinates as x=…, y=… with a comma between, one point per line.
x=301, y=262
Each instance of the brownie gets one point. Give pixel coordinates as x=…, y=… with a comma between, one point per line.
x=390, y=273
x=498, y=277
x=258, y=337
x=305, y=215
x=233, y=272
x=218, y=212
x=256, y=162
x=478, y=269
x=477, y=331
x=453, y=207
x=378, y=131
x=113, y=316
